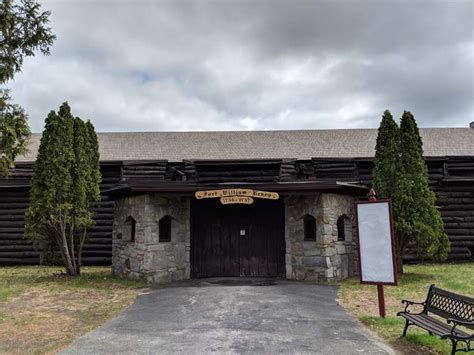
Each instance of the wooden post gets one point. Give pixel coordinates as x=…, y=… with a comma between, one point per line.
x=381, y=301
x=380, y=294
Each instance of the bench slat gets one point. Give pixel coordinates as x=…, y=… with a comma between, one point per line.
x=432, y=325
x=444, y=304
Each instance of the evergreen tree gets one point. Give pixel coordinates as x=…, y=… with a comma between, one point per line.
x=387, y=167
x=387, y=157
x=87, y=177
x=417, y=222
x=64, y=186
x=93, y=187
x=14, y=132
x=23, y=30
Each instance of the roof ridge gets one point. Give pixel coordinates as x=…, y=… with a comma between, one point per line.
x=269, y=130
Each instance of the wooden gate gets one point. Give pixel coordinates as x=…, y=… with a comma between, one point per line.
x=237, y=240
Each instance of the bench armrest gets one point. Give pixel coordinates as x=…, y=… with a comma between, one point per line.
x=460, y=322
x=411, y=303
x=457, y=322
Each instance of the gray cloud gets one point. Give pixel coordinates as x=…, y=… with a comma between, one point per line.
x=213, y=65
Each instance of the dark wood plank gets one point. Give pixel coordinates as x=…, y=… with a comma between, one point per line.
x=222, y=251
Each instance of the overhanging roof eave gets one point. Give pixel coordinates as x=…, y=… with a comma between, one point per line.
x=188, y=189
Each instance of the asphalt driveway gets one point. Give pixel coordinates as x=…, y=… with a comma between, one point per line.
x=231, y=316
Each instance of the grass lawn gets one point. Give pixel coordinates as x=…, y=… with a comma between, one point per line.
x=361, y=300
x=42, y=310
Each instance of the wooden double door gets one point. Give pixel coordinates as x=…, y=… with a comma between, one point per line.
x=237, y=240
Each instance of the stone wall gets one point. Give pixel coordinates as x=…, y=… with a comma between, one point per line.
x=326, y=259
x=146, y=256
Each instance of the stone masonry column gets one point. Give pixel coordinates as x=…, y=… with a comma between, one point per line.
x=148, y=257
x=325, y=259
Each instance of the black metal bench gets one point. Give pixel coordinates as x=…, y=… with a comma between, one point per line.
x=457, y=310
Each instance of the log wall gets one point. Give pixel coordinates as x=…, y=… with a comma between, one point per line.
x=238, y=171
x=451, y=178
x=16, y=250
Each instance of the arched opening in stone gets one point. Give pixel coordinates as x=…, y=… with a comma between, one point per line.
x=129, y=228
x=344, y=229
x=164, y=226
x=309, y=228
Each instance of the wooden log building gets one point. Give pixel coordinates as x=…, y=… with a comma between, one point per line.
x=152, y=222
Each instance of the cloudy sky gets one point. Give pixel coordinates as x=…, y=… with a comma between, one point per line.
x=236, y=65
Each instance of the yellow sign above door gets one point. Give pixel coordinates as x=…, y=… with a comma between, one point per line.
x=226, y=194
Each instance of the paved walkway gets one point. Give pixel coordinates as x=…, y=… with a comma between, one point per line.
x=198, y=317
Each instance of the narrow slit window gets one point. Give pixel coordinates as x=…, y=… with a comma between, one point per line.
x=344, y=229
x=341, y=232
x=309, y=228
x=164, y=226
x=129, y=229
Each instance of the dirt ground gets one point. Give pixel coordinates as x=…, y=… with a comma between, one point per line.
x=44, y=317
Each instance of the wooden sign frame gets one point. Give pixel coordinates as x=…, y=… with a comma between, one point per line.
x=246, y=195
x=392, y=243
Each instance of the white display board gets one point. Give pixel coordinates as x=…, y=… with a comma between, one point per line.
x=376, y=243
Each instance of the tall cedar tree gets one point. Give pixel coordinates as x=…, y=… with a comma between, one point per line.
x=23, y=30
x=417, y=222
x=65, y=185
x=387, y=157
x=387, y=169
